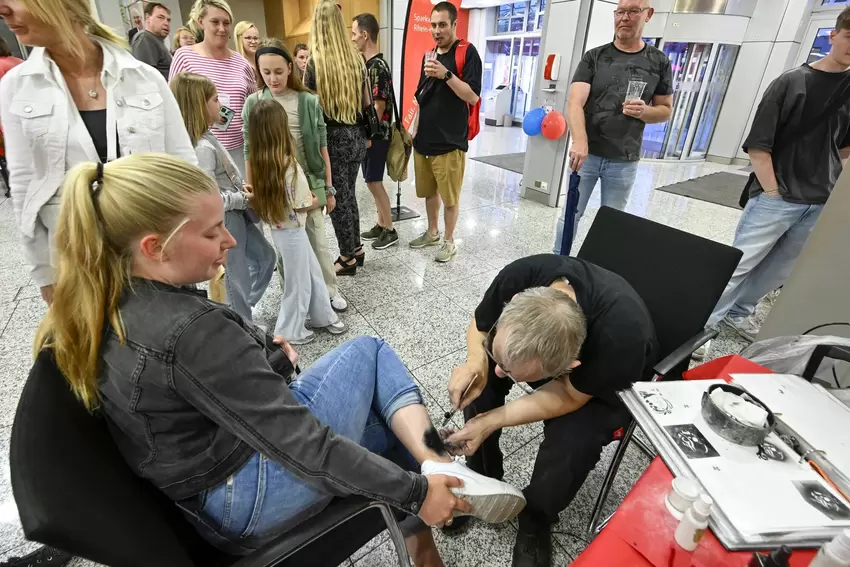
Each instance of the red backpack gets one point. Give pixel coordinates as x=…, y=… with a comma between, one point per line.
x=474, y=120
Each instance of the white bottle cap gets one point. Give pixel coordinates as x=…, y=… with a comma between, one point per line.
x=702, y=507
x=840, y=546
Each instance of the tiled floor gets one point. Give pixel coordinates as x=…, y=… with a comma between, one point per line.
x=422, y=309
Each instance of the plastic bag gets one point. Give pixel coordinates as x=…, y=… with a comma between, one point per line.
x=790, y=355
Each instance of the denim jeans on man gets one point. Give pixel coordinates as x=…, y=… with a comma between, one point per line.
x=355, y=390
x=771, y=233
x=617, y=177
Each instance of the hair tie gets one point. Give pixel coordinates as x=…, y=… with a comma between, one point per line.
x=98, y=180
x=272, y=51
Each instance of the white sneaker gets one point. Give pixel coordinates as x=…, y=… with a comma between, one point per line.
x=337, y=328
x=492, y=500
x=308, y=338
x=744, y=326
x=700, y=353
x=339, y=304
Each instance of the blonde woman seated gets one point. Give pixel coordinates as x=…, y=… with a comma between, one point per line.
x=196, y=400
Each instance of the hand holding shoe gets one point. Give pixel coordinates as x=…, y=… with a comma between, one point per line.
x=440, y=503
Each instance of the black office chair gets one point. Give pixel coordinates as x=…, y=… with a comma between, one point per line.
x=680, y=278
x=74, y=491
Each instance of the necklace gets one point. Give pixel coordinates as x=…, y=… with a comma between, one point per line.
x=93, y=91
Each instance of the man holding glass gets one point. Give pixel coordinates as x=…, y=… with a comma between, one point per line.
x=576, y=334
x=617, y=89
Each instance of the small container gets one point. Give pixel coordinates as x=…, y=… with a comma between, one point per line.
x=683, y=493
x=694, y=523
x=730, y=428
x=835, y=553
x=779, y=558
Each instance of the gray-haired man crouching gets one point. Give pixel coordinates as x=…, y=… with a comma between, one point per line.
x=578, y=334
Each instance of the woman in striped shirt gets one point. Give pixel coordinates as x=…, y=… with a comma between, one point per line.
x=230, y=72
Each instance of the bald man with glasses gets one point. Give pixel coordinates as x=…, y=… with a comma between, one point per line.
x=618, y=88
x=573, y=334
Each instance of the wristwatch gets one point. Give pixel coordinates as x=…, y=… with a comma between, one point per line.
x=329, y=190
x=448, y=76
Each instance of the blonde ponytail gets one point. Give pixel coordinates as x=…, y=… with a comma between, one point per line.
x=96, y=231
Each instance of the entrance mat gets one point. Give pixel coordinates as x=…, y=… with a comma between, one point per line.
x=719, y=188
x=511, y=162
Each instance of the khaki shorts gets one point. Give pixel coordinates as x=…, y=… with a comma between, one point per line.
x=440, y=175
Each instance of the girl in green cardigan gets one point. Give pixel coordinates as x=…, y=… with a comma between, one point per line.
x=277, y=81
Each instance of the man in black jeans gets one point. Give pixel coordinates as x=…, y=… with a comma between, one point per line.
x=578, y=334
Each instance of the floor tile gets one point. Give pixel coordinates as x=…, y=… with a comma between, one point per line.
x=388, y=280
x=423, y=331
x=467, y=293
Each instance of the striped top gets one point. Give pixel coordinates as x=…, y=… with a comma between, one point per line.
x=233, y=79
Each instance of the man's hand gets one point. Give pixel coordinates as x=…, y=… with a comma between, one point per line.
x=469, y=439
x=435, y=69
x=634, y=108
x=331, y=204
x=460, y=381
x=578, y=153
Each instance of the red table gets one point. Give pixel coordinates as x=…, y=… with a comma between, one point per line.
x=640, y=534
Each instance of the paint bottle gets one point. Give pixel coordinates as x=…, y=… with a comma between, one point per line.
x=694, y=523
x=778, y=558
x=835, y=553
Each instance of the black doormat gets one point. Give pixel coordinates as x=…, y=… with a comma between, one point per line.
x=720, y=188
x=511, y=162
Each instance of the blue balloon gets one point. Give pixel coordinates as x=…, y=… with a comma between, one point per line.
x=533, y=121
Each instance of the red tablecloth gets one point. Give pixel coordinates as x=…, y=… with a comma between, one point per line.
x=640, y=534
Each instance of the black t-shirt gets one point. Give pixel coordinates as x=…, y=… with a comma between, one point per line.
x=95, y=121
x=443, y=116
x=610, y=133
x=806, y=171
x=620, y=347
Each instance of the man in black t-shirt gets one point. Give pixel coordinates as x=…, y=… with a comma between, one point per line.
x=578, y=334
x=617, y=89
x=794, y=177
x=446, y=96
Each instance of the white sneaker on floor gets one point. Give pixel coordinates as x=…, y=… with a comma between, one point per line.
x=337, y=328
x=308, y=338
x=339, y=304
x=492, y=500
x=700, y=353
x=744, y=326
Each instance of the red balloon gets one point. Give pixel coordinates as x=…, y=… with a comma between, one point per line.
x=554, y=125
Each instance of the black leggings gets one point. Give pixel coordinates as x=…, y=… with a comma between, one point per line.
x=347, y=149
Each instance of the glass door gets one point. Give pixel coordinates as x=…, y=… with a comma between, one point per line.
x=528, y=55
x=497, y=64
x=816, y=41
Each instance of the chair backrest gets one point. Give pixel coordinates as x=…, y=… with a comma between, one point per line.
x=75, y=491
x=679, y=276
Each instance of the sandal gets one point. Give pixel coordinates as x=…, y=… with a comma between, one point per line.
x=360, y=255
x=345, y=268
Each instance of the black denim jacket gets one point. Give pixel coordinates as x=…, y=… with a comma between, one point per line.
x=191, y=396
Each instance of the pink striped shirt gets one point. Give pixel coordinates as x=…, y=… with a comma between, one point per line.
x=233, y=78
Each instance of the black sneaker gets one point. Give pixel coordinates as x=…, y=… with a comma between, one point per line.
x=533, y=549
x=42, y=557
x=388, y=237
x=373, y=233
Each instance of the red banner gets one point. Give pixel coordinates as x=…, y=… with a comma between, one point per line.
x=418, y=40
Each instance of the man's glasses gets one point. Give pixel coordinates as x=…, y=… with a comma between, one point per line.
x=488, y=348
x=630, y=14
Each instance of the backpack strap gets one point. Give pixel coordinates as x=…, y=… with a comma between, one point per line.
x=460, y=57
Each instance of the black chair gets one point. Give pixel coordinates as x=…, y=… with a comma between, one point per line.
x=680, y=278
x=74, y=491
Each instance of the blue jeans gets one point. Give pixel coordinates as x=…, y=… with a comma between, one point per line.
x=250, y=264
x=617, y=177
x=771, y=233
x=355, y=389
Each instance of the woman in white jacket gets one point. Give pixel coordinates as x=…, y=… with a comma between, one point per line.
x=80, y=96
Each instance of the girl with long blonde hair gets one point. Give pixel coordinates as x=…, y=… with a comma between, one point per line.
x=250, y=264
x=246, y=38
x=282, y=198
x=199, y=403
x=54, y=113
x=337, y=73
x=279, y=81
x=231, y=73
